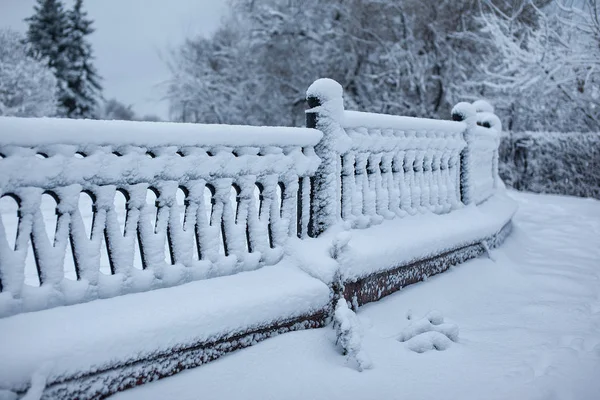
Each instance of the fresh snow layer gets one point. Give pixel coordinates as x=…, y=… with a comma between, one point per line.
x=358, y=119
x=26, y=132
x=78, y=338
x=398, y=242
x=529, y=329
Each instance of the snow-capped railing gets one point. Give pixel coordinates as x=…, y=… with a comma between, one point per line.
x=201, y=201
x=376, y=166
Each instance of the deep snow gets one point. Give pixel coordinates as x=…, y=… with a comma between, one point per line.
x=529, y=329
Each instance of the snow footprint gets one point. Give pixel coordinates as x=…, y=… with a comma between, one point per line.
x=429, y=333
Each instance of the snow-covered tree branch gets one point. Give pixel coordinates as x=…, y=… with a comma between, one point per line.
x=27, y=86
x=545, y=75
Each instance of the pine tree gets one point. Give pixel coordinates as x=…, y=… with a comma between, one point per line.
x=59, y=37
x=47, y=37
x=83, y=80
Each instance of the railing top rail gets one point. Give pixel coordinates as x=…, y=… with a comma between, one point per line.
x=46, y=131
x=358, y=119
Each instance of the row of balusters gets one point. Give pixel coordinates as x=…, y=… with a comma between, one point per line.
x=377, y=186
x=220, y=227
x=200, y=221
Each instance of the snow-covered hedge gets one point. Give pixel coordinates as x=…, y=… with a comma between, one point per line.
x=552, y=162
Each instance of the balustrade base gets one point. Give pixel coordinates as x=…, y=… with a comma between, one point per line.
x=378, y=285
x=104, y=383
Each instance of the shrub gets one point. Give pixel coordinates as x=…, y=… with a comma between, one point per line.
x=552, y=162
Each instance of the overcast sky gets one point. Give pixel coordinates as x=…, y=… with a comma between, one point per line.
x=131, y=39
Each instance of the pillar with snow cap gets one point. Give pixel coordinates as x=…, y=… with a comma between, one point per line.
x=466, y=113
x=326, y=112
x=479, y=159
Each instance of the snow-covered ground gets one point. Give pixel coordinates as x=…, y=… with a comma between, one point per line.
x=529, y=328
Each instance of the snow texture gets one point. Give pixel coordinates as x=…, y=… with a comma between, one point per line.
x=479, y=172
x=357, y=119
x=429, y=340
x=36, y=387
x=94, y=335
x=326, y=200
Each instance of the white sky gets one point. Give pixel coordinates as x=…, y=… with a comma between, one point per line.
x=131, y=40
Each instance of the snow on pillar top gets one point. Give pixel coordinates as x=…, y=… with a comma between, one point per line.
x=464, y=111
x=483, y=106
x=489, y=120
x=325, y=89
x=326, y=97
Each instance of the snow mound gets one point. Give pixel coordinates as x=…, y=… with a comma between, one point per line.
x=428, y=341
x=483, y=106
x=325, y=89
x=429, y=333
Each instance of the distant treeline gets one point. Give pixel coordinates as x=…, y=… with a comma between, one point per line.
x=536, y=61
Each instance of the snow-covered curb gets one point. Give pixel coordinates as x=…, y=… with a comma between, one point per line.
x=84, y=338
x=401, y=241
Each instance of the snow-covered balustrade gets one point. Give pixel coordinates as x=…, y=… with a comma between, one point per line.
x=376, y=166
x=198, y=201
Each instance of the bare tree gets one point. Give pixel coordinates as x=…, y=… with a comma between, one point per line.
x=545, y=75
x=536, y=59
